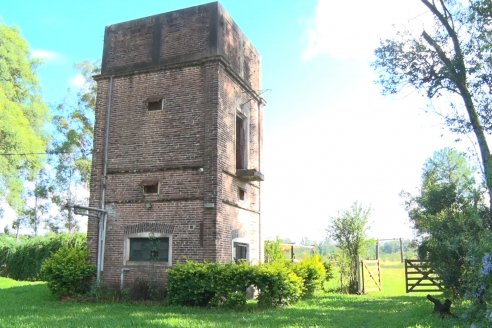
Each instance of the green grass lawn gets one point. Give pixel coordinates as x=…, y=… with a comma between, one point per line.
x=24, y=304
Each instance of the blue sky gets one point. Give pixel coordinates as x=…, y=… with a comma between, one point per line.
x=330, y=138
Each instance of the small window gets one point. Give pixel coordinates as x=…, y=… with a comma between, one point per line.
x=151, y=188
x=240, y=251
x=149, y=249
x=153, y=105
x=240, y=193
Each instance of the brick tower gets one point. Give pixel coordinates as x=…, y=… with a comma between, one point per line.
x=177, y=145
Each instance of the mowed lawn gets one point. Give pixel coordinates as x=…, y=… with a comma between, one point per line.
x=25, y=304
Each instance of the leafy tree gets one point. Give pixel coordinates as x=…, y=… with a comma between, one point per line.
x=74, y=123
x=34, y=214
x=348, y=230
x=448, y=216
x=391, y=246
x=451, y=58
x=326, y=247
x=273, y=251
x=23, y=116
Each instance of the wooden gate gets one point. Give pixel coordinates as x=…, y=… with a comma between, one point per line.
x=370, y=276
x=419, y=277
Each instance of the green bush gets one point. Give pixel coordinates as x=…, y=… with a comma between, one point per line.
x=209, y=284
x=214, y=284
x=68, y=271
x=278, y=285
x=313, y=273
x=328, y=270
x=22, y=259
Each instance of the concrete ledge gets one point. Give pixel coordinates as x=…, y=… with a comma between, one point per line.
x=249, y=175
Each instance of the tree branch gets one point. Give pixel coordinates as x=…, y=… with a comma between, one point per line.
x=442, y=55
x=452, y=34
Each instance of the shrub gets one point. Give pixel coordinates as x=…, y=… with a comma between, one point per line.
x=313, y=273
x=278, y=285
x=22, y=259
x=214, y=284
x=68, y=271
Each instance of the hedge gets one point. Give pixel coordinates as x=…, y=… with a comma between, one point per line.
x=22, y=259
x=215, y=284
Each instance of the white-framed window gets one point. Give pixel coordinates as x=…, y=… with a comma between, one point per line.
x=148, y=247
x=240, y=250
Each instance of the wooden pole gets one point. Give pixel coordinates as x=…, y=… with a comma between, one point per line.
x=359, y=274
x=401, y=250
x=362, y=288
x=377, y=249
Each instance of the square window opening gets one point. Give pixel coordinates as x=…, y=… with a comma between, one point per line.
x=154, y=105
x=151, y=188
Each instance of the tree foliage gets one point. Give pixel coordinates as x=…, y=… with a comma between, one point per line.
x=74, y=126
x=448, y=216
x=450, y=58
x=348, y=230
x=23, y=116
x=273, y=251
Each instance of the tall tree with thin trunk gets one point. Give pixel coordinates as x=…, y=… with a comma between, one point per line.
x=348, y=230
x=74, y=125
x=451, y=58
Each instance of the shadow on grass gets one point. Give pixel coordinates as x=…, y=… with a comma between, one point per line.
x=33, y=306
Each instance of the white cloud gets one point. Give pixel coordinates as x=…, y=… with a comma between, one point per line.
x=352, y=28
x=45, y=54
x=78, y=81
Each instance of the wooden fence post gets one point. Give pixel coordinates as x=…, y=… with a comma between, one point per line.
x=401, y=250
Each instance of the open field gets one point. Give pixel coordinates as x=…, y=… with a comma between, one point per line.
x=24, y=304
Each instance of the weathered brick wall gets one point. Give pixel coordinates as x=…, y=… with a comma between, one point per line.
x=177, y=37
x=238, y=52
x=170, y=38
x=97, y=164
x=237, y=218
x=202, y=66
x=175, y=147
x=184, y=219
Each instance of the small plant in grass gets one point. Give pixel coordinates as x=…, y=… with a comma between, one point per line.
x=145, y=290
x=68, y=271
